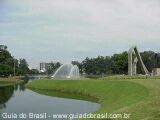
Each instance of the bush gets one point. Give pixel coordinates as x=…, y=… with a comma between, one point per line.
x=5, y=70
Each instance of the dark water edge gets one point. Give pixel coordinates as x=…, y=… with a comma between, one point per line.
x=75, y=96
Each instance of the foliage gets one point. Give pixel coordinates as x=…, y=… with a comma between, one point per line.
x=99, y=65
x=8, y=62
x=23, y=66
x=150, y=59
x=120, y=62
x=5, y=70
x=157, y=60
x=52, y=67
x=34, y=71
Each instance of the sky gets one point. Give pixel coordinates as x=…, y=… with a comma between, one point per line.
x=67, y=30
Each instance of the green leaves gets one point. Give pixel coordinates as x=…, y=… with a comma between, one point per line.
x=8, y=62
x=5, y=70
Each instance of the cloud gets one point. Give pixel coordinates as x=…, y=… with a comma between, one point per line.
x=74, y=29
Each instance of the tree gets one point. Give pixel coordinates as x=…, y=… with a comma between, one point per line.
x=5, y=70
x=23, y=67
x=149, y=60
x=88, y=65
x=34, y=71
x=6, y=62
x=4, y=47
x=52, y=67
x=120, y=62
x=5, y=57
x=157, y=60
x=97, y=66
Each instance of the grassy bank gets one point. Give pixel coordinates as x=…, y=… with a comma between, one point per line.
x=114, y=96
x=8, y=81
x=148, y=109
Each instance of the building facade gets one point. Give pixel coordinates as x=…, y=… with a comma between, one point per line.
x=43, y=66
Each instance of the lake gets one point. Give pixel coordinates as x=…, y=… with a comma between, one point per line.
x=18, y=101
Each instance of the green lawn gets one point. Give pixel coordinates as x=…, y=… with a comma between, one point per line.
x=138, y=97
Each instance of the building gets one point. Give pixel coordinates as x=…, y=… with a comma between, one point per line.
x=43, y=66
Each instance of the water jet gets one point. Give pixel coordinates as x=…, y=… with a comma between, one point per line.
x=67, y=71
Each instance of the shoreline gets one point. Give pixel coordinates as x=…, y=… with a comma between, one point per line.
x=99, y=89
x=9, y=81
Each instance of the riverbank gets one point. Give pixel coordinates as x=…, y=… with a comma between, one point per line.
x=9, y=81
x=138, y=97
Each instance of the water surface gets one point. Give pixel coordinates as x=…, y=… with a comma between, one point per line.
x=17, y=99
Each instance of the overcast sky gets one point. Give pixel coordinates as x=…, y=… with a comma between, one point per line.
x=66, y=30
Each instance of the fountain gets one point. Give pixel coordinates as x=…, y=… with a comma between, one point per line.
x=67, y=71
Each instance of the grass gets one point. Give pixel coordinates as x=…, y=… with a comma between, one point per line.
x=148, y=109
x=138, y=97
x=8, y=81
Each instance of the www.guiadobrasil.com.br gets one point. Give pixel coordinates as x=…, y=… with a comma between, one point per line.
x=92, y=116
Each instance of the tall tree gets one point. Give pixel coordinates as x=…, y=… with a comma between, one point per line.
x=99, y=65
x=157, y=60
x=5, y=70
x=23, y=67
x=120, y=62
x=149, y=60
x=6, y=62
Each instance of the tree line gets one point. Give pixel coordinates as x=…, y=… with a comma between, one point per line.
x=116, y=64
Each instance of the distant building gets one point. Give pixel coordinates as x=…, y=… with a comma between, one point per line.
x=43, y=66
x=156, y=72
x=49, y=67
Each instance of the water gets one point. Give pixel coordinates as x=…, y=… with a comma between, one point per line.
x=67, y=71
x=17, y=99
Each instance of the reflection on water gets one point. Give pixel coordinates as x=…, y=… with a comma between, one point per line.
x=5, y=94
x=18, y=99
